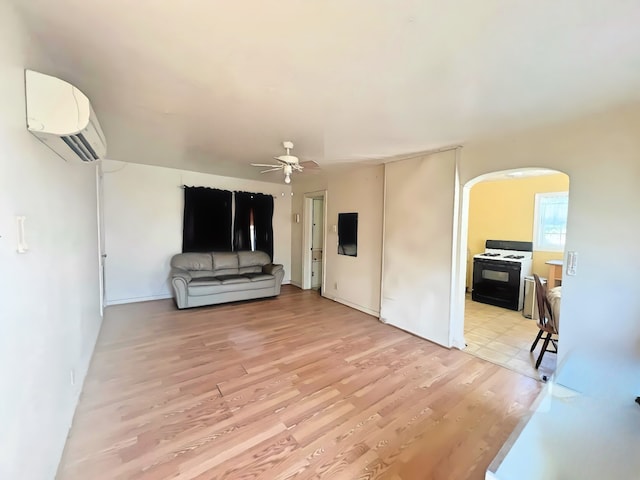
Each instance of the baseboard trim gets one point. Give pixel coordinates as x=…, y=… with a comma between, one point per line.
x=296, y=284
x=122, y=301
x=368, y=311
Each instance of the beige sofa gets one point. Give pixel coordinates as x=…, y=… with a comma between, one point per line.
x=210, y=278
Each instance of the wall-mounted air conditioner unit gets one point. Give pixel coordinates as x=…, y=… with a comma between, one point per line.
x=61, y=117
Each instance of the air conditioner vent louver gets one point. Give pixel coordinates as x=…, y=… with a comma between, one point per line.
x=61, y=116
x=86, y=144
x=81, y=147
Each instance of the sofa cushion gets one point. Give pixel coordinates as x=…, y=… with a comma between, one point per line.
x=228, y=279
x=202, y=273
x=261, y=283
x=192, y=261
x=201, y=290
x=195, y=290
x=256, y=277
x=206, y=281
x=225, y=263
x=252, y=259
x=254, y=269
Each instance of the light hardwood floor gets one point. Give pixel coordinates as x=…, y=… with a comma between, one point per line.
x=294, y=387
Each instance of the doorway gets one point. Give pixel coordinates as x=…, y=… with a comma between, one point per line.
x=314, y=238
x=504, y=206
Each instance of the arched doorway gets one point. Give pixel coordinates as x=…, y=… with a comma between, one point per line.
x=505, y=205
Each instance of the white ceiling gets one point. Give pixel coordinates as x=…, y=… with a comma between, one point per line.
x=212, y=85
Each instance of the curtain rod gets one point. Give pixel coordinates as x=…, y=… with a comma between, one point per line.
x=184, y=186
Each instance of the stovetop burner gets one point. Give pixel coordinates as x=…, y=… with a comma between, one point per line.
x=506, y=251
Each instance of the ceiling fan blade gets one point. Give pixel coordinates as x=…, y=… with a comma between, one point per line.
x=265, y=165
x=271, y=170
x=309, y=165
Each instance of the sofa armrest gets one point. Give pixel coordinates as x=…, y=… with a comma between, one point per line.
x=277, y=271
x=180, y=278
x=272, y=268
x=180, y=273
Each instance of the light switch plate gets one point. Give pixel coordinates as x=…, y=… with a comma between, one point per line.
x=22, y=246
x=572, y=263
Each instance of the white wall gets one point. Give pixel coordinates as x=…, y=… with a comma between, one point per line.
x=358, y=278
x=143, y=208
x=49, y=296
x=418, y=238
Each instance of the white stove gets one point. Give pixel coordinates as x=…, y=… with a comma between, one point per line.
x=498, y=273
x=505, y=255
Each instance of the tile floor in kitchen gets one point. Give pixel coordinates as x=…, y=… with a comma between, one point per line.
x=504, y=337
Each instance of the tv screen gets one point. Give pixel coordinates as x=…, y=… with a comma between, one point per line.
x=348, y=234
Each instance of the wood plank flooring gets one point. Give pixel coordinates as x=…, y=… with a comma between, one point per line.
x=293, y=387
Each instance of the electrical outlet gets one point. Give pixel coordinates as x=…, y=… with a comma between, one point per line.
x=335, y=285
x=73, y=377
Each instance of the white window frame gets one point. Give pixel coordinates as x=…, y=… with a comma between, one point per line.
x=538, y=245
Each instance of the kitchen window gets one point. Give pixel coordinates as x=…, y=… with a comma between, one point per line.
x=550, y=221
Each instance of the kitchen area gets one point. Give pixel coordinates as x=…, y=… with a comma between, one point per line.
x=517, y=228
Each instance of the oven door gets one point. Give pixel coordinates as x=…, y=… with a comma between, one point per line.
x=496, y=282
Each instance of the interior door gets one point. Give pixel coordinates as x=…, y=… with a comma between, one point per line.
x=418, y=245
x=317, y=236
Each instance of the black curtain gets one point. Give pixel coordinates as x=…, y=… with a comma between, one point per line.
x=207, y=220
x=258, y=207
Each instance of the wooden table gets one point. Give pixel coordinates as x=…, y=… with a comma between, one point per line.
x=555, y=273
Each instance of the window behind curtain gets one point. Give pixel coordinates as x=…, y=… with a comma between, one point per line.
x=550, y=222
x=253, y=209
x=207, y=220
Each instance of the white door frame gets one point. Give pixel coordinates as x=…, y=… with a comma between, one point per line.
x=101, y=234
x=307, y=237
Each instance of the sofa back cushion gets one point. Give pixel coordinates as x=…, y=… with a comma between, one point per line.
x=225, y=263
x=192, y=261
x=252, y=262
x=221, y=263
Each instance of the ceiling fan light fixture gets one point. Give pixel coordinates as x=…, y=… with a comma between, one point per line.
x=287, y=163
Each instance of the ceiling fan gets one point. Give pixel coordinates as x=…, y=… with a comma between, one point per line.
x=287, y=163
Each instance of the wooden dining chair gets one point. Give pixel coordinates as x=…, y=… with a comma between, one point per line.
x=546, y=322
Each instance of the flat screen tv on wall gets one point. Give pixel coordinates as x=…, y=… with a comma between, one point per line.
x=348, y=234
